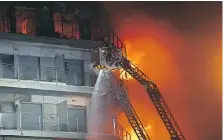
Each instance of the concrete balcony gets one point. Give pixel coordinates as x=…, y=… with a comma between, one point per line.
x=43, y=80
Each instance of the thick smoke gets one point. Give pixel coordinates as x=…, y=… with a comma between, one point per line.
x=178, y=45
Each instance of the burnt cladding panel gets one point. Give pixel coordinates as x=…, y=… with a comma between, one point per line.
x=86, y=15
x=100, y=21
x=45, y=25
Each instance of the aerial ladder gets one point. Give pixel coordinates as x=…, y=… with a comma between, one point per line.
x=119, y=91
x=111, y=55
x=132, y=116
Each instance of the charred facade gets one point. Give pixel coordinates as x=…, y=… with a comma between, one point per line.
x=70, y=20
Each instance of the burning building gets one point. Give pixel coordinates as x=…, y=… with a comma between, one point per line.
x=46, y=75
x=49, y=89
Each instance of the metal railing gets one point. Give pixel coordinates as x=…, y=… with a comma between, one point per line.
x=46, y=74
x=116, y=41
x=53, y=122
x=43, y=122
x=120, y=131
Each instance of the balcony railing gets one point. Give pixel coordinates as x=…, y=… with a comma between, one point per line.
x=120, y=131
x=46, y=74
x=52, y=122
x=43, y=122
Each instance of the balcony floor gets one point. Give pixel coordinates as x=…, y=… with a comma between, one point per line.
x=36, y=133
x=43, y=88
x=57, y=134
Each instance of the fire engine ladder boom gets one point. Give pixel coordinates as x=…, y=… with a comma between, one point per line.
x=151, y=88
x=155, y=96
x=131, y=115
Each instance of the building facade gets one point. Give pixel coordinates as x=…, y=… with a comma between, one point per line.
x=45, y=88
x=47, y=81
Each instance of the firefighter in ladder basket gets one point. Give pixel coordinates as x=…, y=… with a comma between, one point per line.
x=109, y=50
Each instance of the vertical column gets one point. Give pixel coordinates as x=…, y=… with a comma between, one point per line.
x=84, y=24
x=88, y=73
x=77, y=123
x=88, y=108
x=45, y=24
x=40, y=126
x=16, y=62
x=85, y=28
x=58, y=123
x=12, y=18
x=83, y=74
x=62, y=112
x=59, y=65
x=20, y=120
x=1, y=68
x=61, y=18
x=114, y=126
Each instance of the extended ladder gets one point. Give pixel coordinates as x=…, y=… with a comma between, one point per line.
x=155, y=96
x=120, y=61
x=131, y=115
x=117, y=89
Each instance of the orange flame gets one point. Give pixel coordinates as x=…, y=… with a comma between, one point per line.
x=24, y=29
x=135, y=59
x=146, y=50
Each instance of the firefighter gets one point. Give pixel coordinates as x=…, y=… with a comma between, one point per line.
x=108, y=49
